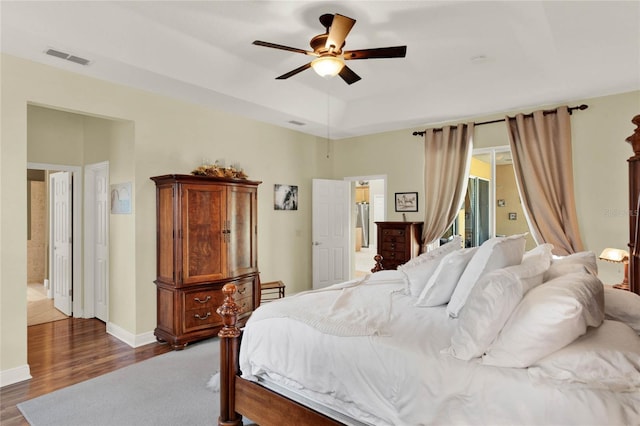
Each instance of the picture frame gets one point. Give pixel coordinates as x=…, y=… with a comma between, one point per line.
x=285, y=197
x=501, y=203
x=513, y=216
x=121, y=198
x=406, y=201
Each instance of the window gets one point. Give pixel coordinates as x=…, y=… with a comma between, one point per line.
x=492, y=205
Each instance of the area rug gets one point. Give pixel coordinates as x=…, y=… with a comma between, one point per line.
x=169, y=389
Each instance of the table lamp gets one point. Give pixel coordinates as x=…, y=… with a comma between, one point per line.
x=618, y=256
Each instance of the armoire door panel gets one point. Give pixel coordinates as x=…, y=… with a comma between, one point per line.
x=242, y=228
x=203, y=247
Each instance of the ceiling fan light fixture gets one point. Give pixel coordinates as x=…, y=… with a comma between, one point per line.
x=327, y=66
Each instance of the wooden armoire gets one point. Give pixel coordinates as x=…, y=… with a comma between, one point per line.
x=206, y=237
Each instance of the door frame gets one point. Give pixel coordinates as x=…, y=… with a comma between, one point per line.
x=76, y=214
x=90, y=215
x=352, y=215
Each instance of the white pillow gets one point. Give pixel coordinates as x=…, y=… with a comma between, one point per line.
x=494, y=253
x=572, y=263
x=454, y=244
x=607, y=357
x=444, y=279
x=548, y=318
x=492, y=301
x=623, y=306
x=420, y=271
x=534, y=264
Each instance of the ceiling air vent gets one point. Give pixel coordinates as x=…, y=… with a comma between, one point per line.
x=67, y=56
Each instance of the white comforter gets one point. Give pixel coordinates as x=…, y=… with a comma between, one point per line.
x=400, y=376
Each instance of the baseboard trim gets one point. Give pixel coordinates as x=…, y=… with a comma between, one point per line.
x=15, y=375
x=133, y=340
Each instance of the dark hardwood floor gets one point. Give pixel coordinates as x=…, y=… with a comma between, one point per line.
x=66, y=352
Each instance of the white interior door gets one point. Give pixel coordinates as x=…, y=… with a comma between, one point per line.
x=97, y=250
x=61, y=240
x=330, y=234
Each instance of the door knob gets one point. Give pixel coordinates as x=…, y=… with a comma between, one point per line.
x=316, y=243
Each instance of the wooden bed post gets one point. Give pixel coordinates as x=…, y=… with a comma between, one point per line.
x=229, y=339
x=634, y=214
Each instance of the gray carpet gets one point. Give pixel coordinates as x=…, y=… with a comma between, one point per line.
x=169, y=389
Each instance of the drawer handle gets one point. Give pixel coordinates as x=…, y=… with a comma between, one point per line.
x=197, y=299
x=204, y=317
x=242, y=291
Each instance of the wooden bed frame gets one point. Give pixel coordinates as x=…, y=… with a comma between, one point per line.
x=240, y=397
x=634, y=208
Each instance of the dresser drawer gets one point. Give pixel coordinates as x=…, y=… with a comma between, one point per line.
x=387, y=247
x=210, y=298
x=393, y=233
x=397, y=256
x=205, y=317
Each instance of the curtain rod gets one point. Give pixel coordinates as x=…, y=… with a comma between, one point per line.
x=551, y=111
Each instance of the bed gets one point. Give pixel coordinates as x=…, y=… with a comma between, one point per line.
x=386, y=350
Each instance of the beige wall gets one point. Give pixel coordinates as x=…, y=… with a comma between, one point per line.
x=149, y=135
x=36, y=244
x=599, y=160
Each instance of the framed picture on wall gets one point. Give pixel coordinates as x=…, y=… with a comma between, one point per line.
x=406, y=201
x=285, y=197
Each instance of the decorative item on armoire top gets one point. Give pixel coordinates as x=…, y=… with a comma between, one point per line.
x=219, y=170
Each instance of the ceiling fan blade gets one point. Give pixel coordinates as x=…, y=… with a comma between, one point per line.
x=380, y=52
x=340, y=27
x=281, y=47
x=348, y=75
x=294, y=72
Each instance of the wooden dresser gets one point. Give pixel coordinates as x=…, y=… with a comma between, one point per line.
x=206, y=237
x=398, y=242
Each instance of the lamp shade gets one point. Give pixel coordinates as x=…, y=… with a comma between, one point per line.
x=327, y=66
x=614, y=255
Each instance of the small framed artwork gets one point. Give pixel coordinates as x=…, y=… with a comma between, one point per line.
x=285, y=197
x=501, y=203
x=121, y=198
x=513, y=216
x=406, y=201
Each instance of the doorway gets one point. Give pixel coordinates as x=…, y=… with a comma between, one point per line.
x=40, y=248
x=369, y=208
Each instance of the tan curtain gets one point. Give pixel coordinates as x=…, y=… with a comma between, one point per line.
x=542, y=159
x=447, y=157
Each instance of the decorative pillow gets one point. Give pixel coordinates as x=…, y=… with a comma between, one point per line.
x=491, y=302
x=607, y=357
x=494, y=253
x=568, y=264
x=623, y=306
x=548, y=318
x=419, y=272
x=444, y=279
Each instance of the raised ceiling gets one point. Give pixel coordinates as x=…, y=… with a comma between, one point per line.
x=464, y=59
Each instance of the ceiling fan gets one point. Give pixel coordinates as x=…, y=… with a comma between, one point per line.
x=327, y=48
